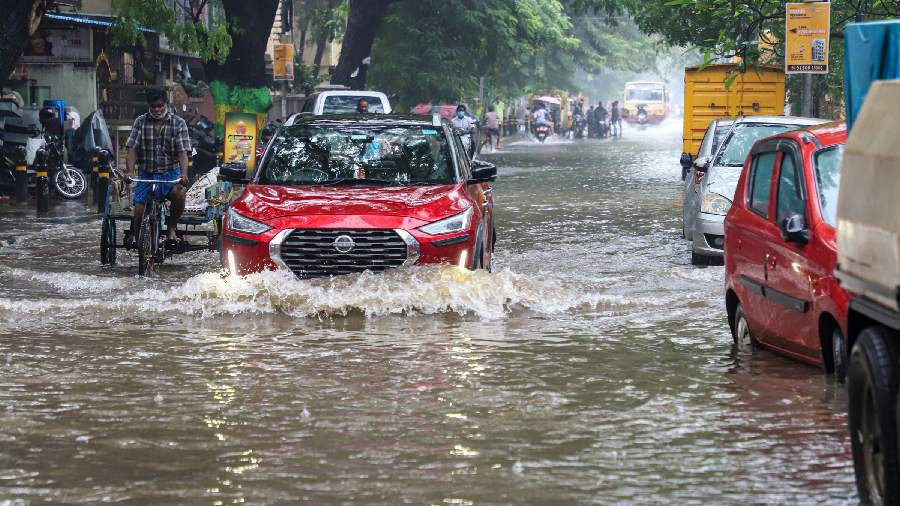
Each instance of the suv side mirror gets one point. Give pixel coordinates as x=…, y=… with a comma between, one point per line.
x=483, y=172
x=793, y=229
x=235, y=172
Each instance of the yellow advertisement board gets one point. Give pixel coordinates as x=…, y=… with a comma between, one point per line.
x=240, y=138
x=807, y=30
x=283, y=62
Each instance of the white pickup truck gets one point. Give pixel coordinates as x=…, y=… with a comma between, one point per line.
x=869, y=268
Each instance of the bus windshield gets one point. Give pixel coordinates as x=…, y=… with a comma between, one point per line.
x=644, y=94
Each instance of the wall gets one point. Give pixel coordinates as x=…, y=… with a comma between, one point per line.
x=96, y=6
x=75, y=85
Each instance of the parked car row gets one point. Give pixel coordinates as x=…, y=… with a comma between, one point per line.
x=812, y=269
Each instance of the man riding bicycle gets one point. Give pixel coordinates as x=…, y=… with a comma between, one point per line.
x=160, y=142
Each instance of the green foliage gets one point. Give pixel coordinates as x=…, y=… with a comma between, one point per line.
x=438, y=49
x=246, y=99
x=184, y=32
x=723, y=29
x=305, y=79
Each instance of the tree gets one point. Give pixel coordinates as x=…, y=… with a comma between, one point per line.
x=363, y=23
x=233, y=50
x=438, y=49
x=20, y=21
x=724, y=29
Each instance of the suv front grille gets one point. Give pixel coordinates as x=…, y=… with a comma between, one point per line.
x=314, y=253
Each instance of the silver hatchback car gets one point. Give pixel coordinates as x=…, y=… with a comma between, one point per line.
x=715, y=132
x=705, y=208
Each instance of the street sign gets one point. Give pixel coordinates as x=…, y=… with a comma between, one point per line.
x=807, y=31
x=283, y=62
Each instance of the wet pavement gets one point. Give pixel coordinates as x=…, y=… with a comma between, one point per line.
x=594, y=366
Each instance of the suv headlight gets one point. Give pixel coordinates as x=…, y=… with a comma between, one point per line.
x=713, y=203
x=240, y=223
x=456, y=223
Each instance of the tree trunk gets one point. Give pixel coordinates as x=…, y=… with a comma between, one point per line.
x=363, y=23
x=20, y=19
x=246, y=63
x=320, y=51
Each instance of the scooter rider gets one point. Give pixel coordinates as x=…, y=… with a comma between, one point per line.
x=160, y=141
x=540, y=117
x=466, y=126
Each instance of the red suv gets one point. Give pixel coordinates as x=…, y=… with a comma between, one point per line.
x=781, y=250
x=341, y=194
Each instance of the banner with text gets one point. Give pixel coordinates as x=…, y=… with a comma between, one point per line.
x=807, y=30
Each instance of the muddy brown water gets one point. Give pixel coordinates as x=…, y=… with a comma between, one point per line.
x=594, y=366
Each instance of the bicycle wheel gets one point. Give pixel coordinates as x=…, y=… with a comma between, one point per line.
x=148, y=239
x=108, y=242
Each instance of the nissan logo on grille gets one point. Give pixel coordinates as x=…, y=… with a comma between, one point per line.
x=343, y=243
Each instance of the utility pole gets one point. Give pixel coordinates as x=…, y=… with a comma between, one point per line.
x=806, y=102
x=285, y=39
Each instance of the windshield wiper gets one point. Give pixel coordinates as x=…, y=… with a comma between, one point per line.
x=355, y=181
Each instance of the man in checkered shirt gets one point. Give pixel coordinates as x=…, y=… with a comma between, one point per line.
x=159, y=143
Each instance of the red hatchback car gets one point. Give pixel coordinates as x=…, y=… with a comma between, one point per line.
x=343, y=194
x=781, y=250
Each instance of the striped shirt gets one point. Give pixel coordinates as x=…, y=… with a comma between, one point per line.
x=158, y=148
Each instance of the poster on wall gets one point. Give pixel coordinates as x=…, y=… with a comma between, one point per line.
x=807, y=30
x=240, y=138
x=58, y=45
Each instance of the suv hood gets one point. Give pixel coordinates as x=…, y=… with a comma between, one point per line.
x=426, y=203
x=723, y=180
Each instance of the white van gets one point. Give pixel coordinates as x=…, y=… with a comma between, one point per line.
x=344, y=102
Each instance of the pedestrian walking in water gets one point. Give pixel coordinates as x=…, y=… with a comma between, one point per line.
x=491, y=128
x=615, y=120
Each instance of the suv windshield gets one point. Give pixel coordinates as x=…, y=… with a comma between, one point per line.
x=346, y=104
x=344, y=153
x=737, y=146
x=828, y=177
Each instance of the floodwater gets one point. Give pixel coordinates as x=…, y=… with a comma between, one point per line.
x=594, y=366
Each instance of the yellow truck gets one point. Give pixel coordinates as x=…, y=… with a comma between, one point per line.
x=706, y=98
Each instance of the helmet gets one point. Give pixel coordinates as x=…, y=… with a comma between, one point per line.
x=48, y=114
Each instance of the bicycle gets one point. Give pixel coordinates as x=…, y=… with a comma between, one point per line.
x=150, y=249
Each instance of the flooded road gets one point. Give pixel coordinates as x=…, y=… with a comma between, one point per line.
x=595, y=366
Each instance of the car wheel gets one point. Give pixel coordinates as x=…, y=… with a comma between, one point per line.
x=839, y=355
x=872, y=417
x=743, y=339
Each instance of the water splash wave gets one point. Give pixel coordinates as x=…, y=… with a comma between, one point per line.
x=417, y=290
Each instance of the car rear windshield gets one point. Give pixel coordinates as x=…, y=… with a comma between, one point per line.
x=737, y=145
x=341, y=153
x=828, y=178
x=346, y=104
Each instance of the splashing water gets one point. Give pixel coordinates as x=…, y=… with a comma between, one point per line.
x=417, y=290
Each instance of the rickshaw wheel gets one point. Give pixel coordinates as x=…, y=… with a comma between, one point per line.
x=108, y=242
